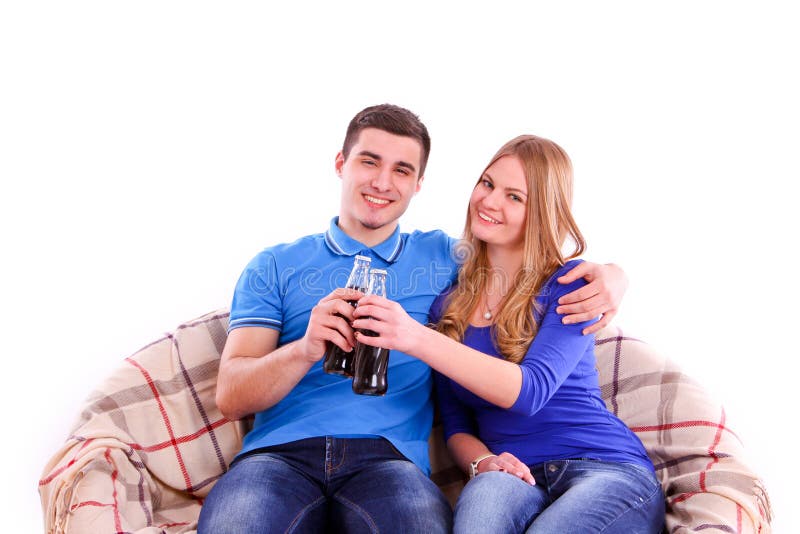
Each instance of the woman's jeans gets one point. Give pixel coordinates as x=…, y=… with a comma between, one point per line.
x=324, y=484
x=570, y=496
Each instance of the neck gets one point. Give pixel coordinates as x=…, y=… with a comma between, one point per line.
x=504, y=265
x=363, y=234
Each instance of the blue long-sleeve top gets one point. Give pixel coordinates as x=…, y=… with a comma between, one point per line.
x=559, y=412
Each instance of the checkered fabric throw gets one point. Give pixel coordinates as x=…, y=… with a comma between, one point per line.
x=150, y=442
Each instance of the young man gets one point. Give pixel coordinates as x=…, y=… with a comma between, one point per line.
x=319, y=456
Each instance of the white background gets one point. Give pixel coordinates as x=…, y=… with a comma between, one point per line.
x=149, y=149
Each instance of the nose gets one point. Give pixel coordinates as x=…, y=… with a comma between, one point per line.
x=382, y=181
x=492, y=200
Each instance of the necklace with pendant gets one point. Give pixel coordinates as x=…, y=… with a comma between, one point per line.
x=488, y=313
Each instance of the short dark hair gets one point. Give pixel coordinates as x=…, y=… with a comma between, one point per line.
x=392, y=119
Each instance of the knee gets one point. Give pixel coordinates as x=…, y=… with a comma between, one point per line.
x=225, y=501
x=497, y=502
x=420, y=503
x=254, y=492
x=394, y=497
x=492, y=487
x=231, y=497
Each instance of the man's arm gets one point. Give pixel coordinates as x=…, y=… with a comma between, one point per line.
x=255, y=374
x=601, y=296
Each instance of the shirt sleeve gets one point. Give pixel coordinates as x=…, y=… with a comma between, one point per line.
x=437, y=308
x=555, y=351
x=456, y=417
x=257, y=297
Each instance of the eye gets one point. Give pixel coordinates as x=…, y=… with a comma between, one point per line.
x=403, y=171
x=487, y=183
x=515, y=198
x=369, y=162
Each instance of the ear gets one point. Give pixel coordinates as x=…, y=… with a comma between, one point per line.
x=419, y=184
x=339, y=163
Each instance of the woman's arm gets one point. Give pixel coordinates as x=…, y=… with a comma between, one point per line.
x=460, y=432
x=494, y=380
x=464, y=448
x=551, y=357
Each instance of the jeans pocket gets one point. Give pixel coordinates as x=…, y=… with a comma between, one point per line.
x=400, y=455
x=646, y=474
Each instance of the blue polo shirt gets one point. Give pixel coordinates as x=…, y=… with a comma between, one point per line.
x=277, y=290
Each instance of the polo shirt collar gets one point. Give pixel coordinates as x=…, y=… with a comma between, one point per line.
x=344, y=245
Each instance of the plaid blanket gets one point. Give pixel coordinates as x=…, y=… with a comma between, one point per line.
x=150, y=442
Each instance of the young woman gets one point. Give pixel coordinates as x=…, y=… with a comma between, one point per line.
x=518, y=389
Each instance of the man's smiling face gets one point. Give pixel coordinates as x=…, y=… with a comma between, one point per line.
x=379, y=177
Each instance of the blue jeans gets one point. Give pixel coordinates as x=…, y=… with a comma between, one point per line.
x=570, y=496
x=325, y=484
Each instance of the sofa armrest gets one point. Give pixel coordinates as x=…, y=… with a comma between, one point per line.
x=699, y=460
x=102, y=485
x=149, y=443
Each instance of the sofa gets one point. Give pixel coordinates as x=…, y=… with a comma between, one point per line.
x=150, y=443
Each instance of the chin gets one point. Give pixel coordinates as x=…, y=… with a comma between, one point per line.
x=485, y=239
x=379, y=219
x=374, y=224
x=480, y=231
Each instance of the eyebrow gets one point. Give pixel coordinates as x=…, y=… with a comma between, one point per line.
x=510, y=189
x=375, y=156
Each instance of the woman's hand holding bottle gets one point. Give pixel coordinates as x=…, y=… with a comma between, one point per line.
x=395, y=328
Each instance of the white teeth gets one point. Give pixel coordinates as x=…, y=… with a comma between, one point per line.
x=375, y=200
x=487, y=218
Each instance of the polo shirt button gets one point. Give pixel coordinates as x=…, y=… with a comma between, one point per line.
x=553, y=468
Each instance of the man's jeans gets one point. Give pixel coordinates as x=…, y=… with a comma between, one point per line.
x=570, y=496
x=325, y=484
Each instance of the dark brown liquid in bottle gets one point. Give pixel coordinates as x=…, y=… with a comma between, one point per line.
x=371, y=365
x=337, y=361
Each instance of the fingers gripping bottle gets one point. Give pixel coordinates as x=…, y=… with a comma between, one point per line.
x=371, y=363
x=337, y=361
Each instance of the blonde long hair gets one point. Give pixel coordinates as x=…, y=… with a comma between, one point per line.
x=548, y=223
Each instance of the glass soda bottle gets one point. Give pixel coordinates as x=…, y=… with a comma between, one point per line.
x=371, y=363
x=337, y=361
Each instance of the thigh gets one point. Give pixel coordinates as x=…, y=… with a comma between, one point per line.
x=390, y=496
x=498, y=502
x=263, y=494
x=604, y=496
